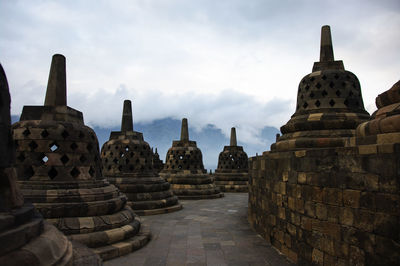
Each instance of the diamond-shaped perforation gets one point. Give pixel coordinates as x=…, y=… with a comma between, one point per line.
x=44, y=134
x=324, y=77
x=83, y=159
x=74, y=146
x=318, y=85
x=346, y=102
x=115, y=161
x=324, y=93
x=74, y=172
x=331, y=102
x=29, y=172
x=338, y=93
x=52, y=173
x=44, y=158
x=89, y=147
x=305, y=105
x=54, y=146
x=81, y=135
x=32, y=145
x=331, y=84
x=64, y=159
x=312, y=94
x=91, y=171
x=21, y=157
x=317, y=103
x=26, y=132
x=65, y=134
x=351, y=93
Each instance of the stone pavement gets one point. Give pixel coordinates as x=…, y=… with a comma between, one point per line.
x=205, y=232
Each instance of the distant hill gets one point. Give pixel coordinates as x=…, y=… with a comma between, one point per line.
x=160, y=133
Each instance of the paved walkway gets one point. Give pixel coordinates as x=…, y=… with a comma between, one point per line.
x=204, y=232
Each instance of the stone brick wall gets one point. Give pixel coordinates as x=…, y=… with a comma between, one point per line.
x=329, y=206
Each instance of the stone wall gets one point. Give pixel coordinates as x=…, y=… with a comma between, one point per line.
x=333, y=206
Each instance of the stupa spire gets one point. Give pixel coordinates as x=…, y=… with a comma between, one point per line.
x=127, y=119
x=56, y=94
x=233, y=137
x=326, y=52
x=184, y=130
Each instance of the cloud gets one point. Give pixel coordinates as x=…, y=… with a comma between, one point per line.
x=227, y=63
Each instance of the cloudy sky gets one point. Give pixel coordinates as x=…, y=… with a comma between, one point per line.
x=228, y=62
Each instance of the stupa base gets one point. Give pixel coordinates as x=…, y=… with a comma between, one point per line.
x=126, y=246
x=168, y=209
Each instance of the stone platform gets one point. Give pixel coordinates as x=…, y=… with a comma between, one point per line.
x=205, y=232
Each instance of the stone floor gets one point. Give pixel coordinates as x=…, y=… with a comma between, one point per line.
x=204, y=232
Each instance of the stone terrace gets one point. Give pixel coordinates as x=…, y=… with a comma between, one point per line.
x=205, y=232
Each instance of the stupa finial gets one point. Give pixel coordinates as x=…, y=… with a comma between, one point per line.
x=127, y=119
x=184, y=130
x=233, y=137
x=56, y=94
x=326, y=53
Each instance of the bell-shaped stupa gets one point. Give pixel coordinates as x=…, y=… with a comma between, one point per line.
x=59, y=169
x=384, y=127
x=232, y=174
x=184, y=169
x=329, y=105
x=127, y=163
x=158, y=164
x=26, y=239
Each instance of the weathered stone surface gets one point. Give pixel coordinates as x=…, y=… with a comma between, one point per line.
x=346, y=177
x=25, y=238
x=128, y=163
x=184, y=169
x=59, y=167
x=232, y=172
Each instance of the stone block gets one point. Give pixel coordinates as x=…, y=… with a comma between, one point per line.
x=351, y=198
x=333, y=213
x=301, y=178
x=300, y=205
x=346, y=216
x=333, y=196
x=388, y=203
x=317, y=257
x=387, y=226
x=309, y=208
x=364, y=220
x=356, y=256
x=367, y=200
x=317, y=194
x=321, y=211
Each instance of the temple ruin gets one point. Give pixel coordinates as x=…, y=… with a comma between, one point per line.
x=328, y=191
x=59, y=168
x=232, y=172
x=184, y=169
x=127, y=162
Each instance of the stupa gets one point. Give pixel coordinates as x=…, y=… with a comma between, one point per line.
x=329, y=105
x=24, y=236
x=158, y=164
x=127, y=163
x=232, y=174
x=385, y=124
x=184, y=169
x=59, y=168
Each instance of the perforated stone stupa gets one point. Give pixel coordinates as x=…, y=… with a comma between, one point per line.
x=158, y=164
x=128, y=163
x=25, y=238
x=232, y=172
x=329, y=105
x=184, y=169
x=59, y=169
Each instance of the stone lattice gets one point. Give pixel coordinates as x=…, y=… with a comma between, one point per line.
x=128, y=163
x=184, y=169
x=328, y=191
x=24, y=236
x=232, y=172
x=59, y=169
